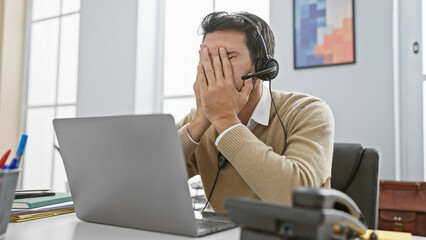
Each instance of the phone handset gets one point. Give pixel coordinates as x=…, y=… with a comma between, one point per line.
x=327, y=198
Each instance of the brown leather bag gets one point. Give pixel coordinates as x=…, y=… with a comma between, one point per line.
x=402, y=207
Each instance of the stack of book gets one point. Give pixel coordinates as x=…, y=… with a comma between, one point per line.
x=30, y=208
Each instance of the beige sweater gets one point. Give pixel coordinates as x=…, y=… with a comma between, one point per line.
x=256, y=169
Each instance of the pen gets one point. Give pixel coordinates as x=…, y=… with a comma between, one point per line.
x=31, y=190
x=21, y=148
x=4, y=158
x=13, y=164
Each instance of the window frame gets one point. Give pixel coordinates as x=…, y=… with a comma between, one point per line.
x=26, y=76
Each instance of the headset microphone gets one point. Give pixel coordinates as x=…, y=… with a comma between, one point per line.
x=271, y=70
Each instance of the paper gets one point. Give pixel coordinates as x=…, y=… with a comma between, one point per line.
x=387, y=235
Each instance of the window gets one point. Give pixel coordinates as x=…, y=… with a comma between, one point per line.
x=182, y=43
x=51, y=87
x=409, y=95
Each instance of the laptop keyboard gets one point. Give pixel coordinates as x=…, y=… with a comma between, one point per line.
x=209, y=224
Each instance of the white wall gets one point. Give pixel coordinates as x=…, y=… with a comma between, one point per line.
x=119, y=42
x=107, y=57
x=361, y=94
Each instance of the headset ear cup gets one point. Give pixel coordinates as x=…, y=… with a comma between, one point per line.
x=270, y=63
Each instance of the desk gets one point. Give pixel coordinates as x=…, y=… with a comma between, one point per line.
x=68, y=227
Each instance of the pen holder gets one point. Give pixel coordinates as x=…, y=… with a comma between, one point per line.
x=8, y=180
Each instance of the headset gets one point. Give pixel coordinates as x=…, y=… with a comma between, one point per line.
x=266, y=69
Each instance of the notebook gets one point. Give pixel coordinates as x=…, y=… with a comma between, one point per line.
x=22, y=215
x=130, y=171
x=36, y=202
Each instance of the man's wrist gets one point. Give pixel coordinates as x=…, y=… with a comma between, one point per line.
x=189, y=136
x=196, y=129
x=224, y=123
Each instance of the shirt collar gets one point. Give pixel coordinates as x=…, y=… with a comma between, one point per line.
x=261, y=112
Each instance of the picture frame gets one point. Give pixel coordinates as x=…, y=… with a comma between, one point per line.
x=323, y=33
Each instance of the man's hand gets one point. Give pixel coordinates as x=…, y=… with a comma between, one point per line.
x=221, y=102
x=200, y=124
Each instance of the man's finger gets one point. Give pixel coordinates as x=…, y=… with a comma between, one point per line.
x=201, y=79
x=217, y=65
x=226, y=64
x=207, y=66
x=199, y=56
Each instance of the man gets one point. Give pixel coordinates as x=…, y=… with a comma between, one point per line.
x=237, y=119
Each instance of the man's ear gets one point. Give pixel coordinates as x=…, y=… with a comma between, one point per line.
x=253, y=70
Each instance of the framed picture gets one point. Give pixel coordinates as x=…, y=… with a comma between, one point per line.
x=323, y=33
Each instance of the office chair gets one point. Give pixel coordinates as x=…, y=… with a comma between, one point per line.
x=355, y=171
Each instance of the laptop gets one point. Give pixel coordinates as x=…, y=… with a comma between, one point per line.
x=130, y=171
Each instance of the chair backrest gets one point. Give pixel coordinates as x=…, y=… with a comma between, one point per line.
x=355, y=171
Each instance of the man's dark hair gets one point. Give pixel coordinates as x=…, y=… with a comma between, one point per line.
x=217, y=21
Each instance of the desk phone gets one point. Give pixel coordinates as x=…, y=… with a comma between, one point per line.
x=316, y=213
